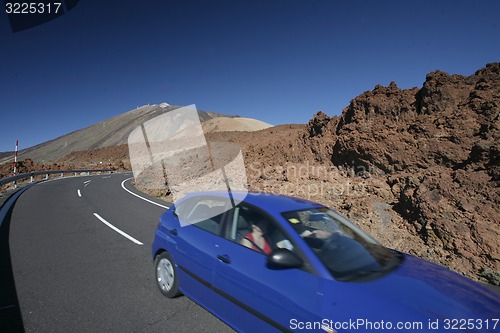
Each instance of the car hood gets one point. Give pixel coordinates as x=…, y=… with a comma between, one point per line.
x=417, y=290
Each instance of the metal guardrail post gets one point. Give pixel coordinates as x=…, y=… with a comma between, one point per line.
x=13, y=179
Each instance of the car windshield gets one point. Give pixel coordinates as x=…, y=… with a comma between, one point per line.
x=348, y=252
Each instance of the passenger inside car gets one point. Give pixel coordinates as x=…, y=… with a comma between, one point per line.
x=258, y=239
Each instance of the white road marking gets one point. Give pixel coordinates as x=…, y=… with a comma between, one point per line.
x=118, y=230
x=79, y=193
x=137, y=195
x=86, y=182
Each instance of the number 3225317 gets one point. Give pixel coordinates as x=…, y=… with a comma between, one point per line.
x=32, y=7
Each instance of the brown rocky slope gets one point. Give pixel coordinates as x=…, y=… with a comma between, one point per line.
x=437, y=149
x=418, y=168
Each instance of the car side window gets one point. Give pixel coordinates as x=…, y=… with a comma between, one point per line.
x=205, y=213
x=254, y=229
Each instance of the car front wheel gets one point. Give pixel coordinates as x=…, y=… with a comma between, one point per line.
x=166, y=275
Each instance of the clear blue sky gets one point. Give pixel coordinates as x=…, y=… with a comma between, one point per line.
x=277, y=61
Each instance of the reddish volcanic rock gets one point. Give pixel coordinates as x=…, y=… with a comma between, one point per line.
x=438, y=148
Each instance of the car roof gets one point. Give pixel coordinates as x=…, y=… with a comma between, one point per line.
x=275, y=203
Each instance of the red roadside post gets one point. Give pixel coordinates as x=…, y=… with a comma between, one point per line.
x=15, y=162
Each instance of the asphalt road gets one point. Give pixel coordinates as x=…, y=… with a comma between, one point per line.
x=74, y=273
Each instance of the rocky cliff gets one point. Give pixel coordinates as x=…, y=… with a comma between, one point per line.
x=438, y=149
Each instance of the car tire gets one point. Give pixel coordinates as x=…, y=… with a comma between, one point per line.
x=166, y=275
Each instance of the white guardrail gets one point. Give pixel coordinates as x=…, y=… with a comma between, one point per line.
x=13, y=179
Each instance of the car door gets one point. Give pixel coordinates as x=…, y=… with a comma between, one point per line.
x=196, y=240
x=261, y=296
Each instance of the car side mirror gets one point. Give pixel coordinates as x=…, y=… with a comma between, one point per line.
x=284, y=258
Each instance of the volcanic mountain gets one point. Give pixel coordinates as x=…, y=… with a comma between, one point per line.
x=114, y=132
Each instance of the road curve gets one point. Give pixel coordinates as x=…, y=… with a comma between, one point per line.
x=80, y=250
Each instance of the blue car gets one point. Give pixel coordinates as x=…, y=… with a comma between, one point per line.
x=271, y=263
